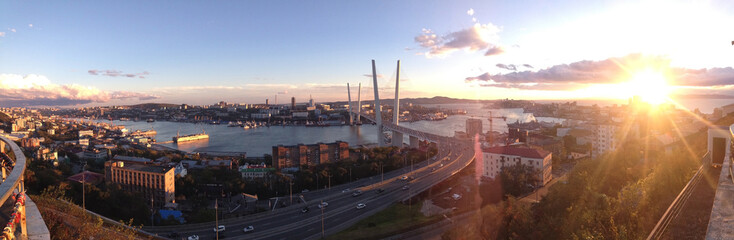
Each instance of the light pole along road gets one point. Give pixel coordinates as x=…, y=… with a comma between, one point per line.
x=290, y=223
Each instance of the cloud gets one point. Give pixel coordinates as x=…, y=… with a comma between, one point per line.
x=507, y=66
x=496, y=50
x=37, y=90
x=470, y=12
x=283, y=92
x=2, y=34
x=30, y=25
x=527, y=65
x=479, y=37
x=116, y=73
x=12, y=29
x=608, y=71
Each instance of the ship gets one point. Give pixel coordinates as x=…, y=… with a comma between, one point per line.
x=191, y=137
x=151, y=132
x=150, y=120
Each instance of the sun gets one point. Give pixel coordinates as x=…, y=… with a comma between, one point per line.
x=650, y=86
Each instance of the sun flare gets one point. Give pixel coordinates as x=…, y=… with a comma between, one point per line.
x=650, y=86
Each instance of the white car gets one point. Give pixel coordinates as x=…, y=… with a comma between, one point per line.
x=193, y=237
x=456, y=196
x=323, y=205
x=346, y=190
x=404, y=178
x=361, y=205
x=249, y=229
x=220, y=228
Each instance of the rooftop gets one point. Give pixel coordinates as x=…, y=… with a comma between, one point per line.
x=518, y=151
x=145, y=168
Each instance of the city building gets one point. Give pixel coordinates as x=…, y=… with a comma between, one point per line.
x=30, y=142
x=604, y=139
x=313, y=154
x=474, y=127
x=154, y=182
x=83, y=133
x=496, y=158
x=255, y=171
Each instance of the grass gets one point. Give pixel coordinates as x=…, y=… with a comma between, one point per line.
x=394, y=219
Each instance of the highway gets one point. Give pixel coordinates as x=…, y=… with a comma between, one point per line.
x=290, y=223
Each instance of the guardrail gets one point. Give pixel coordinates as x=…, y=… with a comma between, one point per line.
x=675, y=208
x=12, y=185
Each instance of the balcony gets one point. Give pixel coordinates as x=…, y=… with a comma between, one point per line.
x=18, y=214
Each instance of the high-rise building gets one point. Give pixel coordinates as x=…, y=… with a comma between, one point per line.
x=473, y=127
x=293, y=103
x=153, y=182
x=605, y=139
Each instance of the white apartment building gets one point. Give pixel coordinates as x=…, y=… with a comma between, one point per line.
x=604, y=139
x=496, y=158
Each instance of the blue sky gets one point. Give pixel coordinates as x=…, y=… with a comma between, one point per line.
x=201, y=52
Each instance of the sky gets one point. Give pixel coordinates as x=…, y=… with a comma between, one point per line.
x=92, y=53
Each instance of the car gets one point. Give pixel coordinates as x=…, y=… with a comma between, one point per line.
x=346, y=190
x=404, y=178
x=323, y=204
x=356, y=193
x=193, y=237
x=380, y=190
x=249, y=229
x=220, y=228
x=361, y=205
x=456, y=196
x=406, y=187
x=305, y=210
x=304, y=191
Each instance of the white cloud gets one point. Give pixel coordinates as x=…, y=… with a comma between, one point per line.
x=470, y=12
x=38, y=90
x=115, y=73
x=480, y=37
x=2, y=34
x=30, y=25
x=12, y=29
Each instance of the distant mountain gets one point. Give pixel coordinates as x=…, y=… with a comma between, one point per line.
x=703, y=96
x=154, y=105
x=433, y=100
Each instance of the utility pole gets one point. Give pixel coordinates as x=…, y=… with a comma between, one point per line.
x=84, y=180
x=382, y=173
x=152, y=212
x=291, y=190
x=216, y=217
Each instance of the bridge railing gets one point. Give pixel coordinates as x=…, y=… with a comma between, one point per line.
x=675, y=208
x=12, y=188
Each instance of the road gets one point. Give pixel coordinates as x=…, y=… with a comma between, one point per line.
x=291, y=223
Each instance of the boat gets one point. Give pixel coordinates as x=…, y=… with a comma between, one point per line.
x=190, y=137
x=150, y=120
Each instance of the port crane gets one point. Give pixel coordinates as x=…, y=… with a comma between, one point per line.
x=491, y=125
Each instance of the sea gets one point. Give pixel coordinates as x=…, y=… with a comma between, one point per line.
x=258, y=141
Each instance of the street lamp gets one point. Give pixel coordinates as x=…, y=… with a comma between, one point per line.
x=322, y=218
